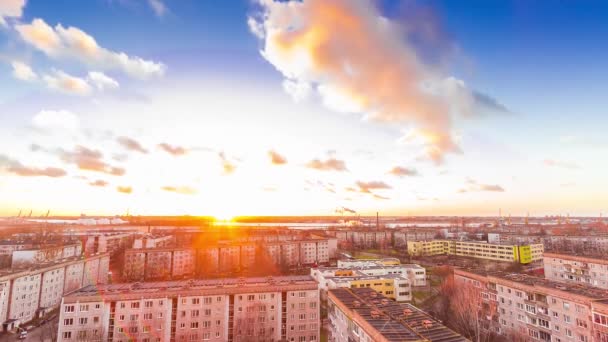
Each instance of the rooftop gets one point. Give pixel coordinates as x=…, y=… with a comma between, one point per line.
x=127, y=291
x=525, y=279
x=394, y=321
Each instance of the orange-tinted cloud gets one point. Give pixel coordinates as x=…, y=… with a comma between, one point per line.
x=99, y=183
x=90, y=160
x=330, y=164
x=402, y=171
x=184, y=190
x=131, y=144
x=366, y=187
x=276, y=158
x=15, y=167
x=124, y=189
x=228, y=167
x=173, y=150
x=360, y=62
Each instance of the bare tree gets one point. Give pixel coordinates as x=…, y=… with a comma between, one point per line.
x=470, y=310
x=254, y=324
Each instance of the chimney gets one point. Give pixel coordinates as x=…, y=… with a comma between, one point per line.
x=377, y=221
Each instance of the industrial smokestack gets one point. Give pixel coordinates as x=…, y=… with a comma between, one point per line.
x=377, y=221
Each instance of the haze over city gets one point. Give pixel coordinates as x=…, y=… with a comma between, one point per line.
x=297, y=108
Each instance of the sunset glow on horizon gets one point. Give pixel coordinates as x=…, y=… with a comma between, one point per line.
x=300, y=108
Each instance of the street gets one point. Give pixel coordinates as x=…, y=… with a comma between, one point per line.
x=43, y=333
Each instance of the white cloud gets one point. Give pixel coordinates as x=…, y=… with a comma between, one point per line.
x=66, y=83
x=11, y=9
x=23, y=71
x=158, y=6
x=54, y=119
x=361, y=62
x=60, y=42
x=102, y=81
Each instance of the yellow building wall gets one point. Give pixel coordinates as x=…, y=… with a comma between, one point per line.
x=378, y=288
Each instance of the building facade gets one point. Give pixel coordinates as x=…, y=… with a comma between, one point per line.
x=585, y=270
x=523, y=254
x=536, y=308
x=244, y=309
x=30, y=293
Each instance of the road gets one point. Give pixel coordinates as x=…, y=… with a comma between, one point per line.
x=43, y=333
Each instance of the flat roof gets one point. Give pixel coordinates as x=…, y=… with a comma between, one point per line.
x=394, y=321
x=193, y=287
x=525, y=279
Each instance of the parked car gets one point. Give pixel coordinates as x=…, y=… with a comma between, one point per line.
x=22, y=335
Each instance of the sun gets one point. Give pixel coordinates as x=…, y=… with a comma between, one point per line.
x=223, y=217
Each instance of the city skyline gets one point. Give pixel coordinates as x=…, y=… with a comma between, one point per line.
x=295, y=108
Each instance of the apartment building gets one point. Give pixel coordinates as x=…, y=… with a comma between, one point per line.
x=401, y=237
x=8, y=247
x=523, y=254
x=26, y=294
x=364, y=238
x=536, y=308
x=102, y=242
x=216, y=260
x=29, y=256
x=153, y=241
x=363, y=315
x=243, y=309
x=415, y=273
x=589, y=244
x=393, y=285
x=580, y=269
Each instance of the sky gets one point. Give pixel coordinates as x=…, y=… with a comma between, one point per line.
x=312, y=107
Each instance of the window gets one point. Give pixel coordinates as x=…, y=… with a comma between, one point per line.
x=193, y=325
x=68, y=321
x=135, y=305
x=82, y=320
x=84, y=308
x=196, y=301
x=67, y=335
x=69, y=308
x=149, y=303
x=566, y=306
x=567, y=319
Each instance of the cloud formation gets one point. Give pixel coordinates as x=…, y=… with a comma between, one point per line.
x=331, y=164
x=11, y=9
x=561, y=164
x=184, y=190
x=158, y=6
x=99, y=183
x=56, y=119
x=367, y=187
x=72, y=43
x=89, y=160
x=22, y=71
x=362, y=62
x=228, y=167
x=124, y=189
x=276, y=158
x=473, y=186
x=172, y=149
x=403, y=171
x=15, y=167
x=61, y=81
x=131, y=144
x=102, y=81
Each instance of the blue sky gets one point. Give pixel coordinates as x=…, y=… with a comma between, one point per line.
x=228, y=96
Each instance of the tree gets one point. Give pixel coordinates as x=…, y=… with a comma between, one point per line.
x=254, y=324
x=469, y=309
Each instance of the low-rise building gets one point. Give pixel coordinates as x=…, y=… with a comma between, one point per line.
x=30, y=256
x=523, y=254
x=153, y=241
x=362, y=314
x=243, y=309
x=415, y=273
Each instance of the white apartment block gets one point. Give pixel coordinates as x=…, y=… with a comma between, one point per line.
x=243, y=309
x=367, y=238
x=27, y=294
x=537, y=308
x=150, y=241
x=8, y=247
x=591, y=271
x=29, y=256
x=415, y=273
